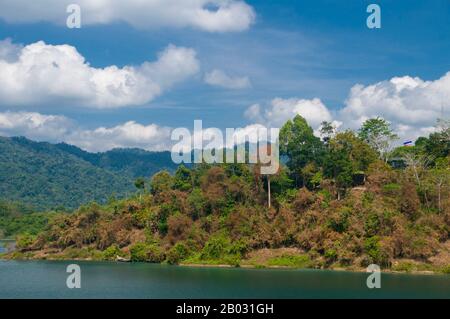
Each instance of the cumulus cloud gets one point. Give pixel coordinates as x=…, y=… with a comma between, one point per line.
x=220, y=78
x=35, y=125
x=40, y=73
x=410, y=104
x=152, y=137
x=207, y=15
x=56, y=128
x=130, y=134
x=282, y=110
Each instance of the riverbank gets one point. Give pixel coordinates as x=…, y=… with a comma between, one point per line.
x=281, y=258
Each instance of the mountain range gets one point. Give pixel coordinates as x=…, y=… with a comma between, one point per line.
x=49, y=176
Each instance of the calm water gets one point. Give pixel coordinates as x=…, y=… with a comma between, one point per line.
x=47, y=279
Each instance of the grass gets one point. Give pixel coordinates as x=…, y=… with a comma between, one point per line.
x=294, y=261
x=446, y=269
x=226, y=260
x=407, y=266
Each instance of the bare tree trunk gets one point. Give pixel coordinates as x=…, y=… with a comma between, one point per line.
x=414, y=163
x=439, y=195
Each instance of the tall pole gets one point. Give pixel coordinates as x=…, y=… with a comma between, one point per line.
x=268, y=188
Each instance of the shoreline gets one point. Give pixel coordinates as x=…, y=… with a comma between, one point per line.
x=243, y=266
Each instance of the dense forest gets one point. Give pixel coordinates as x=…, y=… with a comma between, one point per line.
x=344, y=200
x=60, y=176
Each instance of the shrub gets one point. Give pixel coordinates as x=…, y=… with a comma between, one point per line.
x=177, y=253
x=148, y=253
x=215, y=248
x=23, y=242
x=112, y=252
x=178, y=226
x=303, y=199
x=161, y=182
x=375, y=252
x=446, y=269
x=331, y=255
x=409, y=200
x=239, y=248
x=339, y=222
x=372, y=225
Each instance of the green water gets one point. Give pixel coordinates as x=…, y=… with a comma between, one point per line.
x=47, y=279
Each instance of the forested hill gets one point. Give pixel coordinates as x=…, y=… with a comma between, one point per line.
x=132, y=162
x=48, y=176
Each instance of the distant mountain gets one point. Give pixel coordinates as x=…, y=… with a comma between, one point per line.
x=133, y=162
x=48, y=176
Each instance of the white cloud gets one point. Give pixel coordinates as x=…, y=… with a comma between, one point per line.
x=152, y=137
x=35, y=125
x=207, y=15
x=412, y=105
x=40, y=73
x=282, y=110
x=253, y=113
x=220, y=78
x=56, y=128
x=130, y=134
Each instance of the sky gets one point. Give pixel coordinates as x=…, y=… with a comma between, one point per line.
x=136, y=70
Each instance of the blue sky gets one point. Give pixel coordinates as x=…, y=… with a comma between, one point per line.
x=293, y=50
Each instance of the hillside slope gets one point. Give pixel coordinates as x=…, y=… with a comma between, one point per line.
x=132, y=162
x=46, y=177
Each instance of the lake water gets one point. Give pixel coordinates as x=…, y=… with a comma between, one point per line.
x=47, y=279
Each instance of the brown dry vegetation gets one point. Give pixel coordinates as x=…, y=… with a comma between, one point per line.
x=222, y=216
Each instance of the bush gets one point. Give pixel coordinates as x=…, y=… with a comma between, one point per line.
x=446, y=269
x=177, y=253
x=372, y=225
x=331, y=255
x=112, y=252
x=178, y=226
x=215, y=248
x=239, y=248
x=148, y=253
x=23, y=242
x=339, y=222
x=409, y=200
x=375, y=252
x=303, y=199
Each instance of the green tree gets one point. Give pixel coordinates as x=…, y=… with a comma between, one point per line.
x=437, y=145
x=379, y=135
x=327, y=131
x=161, y=182
x=346, y=156
x=182, y=179
x=298, y=143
